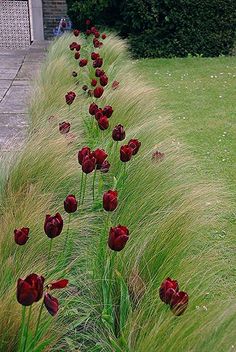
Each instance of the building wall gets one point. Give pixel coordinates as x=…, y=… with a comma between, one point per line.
x=53, y=10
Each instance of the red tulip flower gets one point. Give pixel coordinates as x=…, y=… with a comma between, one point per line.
x=98, y=62
x=94, y=56
x=110, y=200
x=70, y=97
x=118, y=133
x=76, y=32
x=83, y=62
x=115, y=85
x=55, y=285
x=77, y=55
x=83, y=153
x=98, y=91
x=21, y=235
x=167, y=289
x=179, y=302
x=88, y=22
x=100, y=155
x=103, y=80
x=103, y=123
x=88, y=32
x=94, y=82
x=96, y=43
x=99, y=114
x=30, y=289
x=53, y=225
x=105, y=167
x=70, y=204
x=78, y=47
x=118, y=237
x=107, y=111
x=104, y=36
x=51, y=303
x=96, y=34
x=135, y=145
x=126, y=153
x=64, y=127
x=93, y=108
x=99, y=72
x=88, y=164
x=73, y=45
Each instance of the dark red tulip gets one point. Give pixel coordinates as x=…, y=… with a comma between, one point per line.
x=83, y=62
x=179, y=302
x=74, y=74
x=93, y=29
x=115, y=85
x=110, y=200
x=94, y=55
x=167, y=289
x=70, y=204
x=105, y=167
x=76, y=32
x=21, y=235
x=58, y=284
x=118, y=133
x=103, y=80
x=94, y=82
x=100, y=155
x=98, y=91
x=96, y=34
x=78, y=47
x=77, y=55
x=51, y=303
x=96, y=43
x=99, y=114
x=82, y=154
x=107, y=111
x=93, y=108
x=88, y=32
x=53, y=225
x=98, y=62
x=70, y=97
x=118, y=237
x=64, y=127
x=73, y=45
x=85, y=87
x=30, y=289
x=125, y=153
x=88, y=164
x=104, y=36
x=87, y=22
x=158, y=156
x=135, y=145
x=103, y=123
x=99, y=72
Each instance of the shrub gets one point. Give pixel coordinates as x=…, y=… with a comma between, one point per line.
x=165, y=28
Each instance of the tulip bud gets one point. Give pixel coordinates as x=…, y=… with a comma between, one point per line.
x=64, y=127
x=51, y=303
x=93, y=108
x=100, y=155
x=73, y=45
x=103, y=123
x=30, y=289
x=107, y=111
x=118, y=133
x=99, y=72
x=70, y=204
x=98, y=91
x=78, y=47
x=179, y=302
x=82, y=153
x=125, y=153
x=105, y=167
x=104, y=36
x=87, y=22
x=96, y=34
x=85, y=87
x=96, y=43
x=103, y=80
x=88, y=164
x=53, y=225
x=110, y=200
x=94, y=55
x=76, y=32
x=77, y=55
x=167, y=289
x=88, y=32
x=83, y=62
x=99, y=114
x=94, y=82
x=98, y=62
x=70, y=97
x=74, y=74
x=21, y=235
x=134, y=144
x=118, y=236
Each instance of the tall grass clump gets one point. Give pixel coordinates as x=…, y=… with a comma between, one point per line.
x=172, y=216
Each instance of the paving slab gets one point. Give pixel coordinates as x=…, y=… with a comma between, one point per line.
x=28, y=70
x=8, y=73
x=15, y=100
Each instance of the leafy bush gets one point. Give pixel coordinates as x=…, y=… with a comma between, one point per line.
x=165, y=28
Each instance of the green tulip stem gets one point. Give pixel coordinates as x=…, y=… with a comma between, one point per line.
x=49, y=257
x=81, y=188
x=67, y=236
x=27, y=328
x=38, y=322
x=94, y=178
x=22, y=327
x=84, y=190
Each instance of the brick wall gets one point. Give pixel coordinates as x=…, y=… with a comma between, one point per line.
x=53, y=10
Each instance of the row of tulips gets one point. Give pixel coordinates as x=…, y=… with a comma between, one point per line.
x=33, y=288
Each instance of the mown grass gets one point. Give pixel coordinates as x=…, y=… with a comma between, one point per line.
x=172, y=214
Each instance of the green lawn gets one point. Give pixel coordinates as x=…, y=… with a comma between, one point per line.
x=199, y=94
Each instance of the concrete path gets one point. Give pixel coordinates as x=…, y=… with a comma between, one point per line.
x=17, y=69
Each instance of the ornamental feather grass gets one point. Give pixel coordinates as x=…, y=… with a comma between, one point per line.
x=172, y=214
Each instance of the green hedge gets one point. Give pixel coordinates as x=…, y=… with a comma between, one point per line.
x=165, y=28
